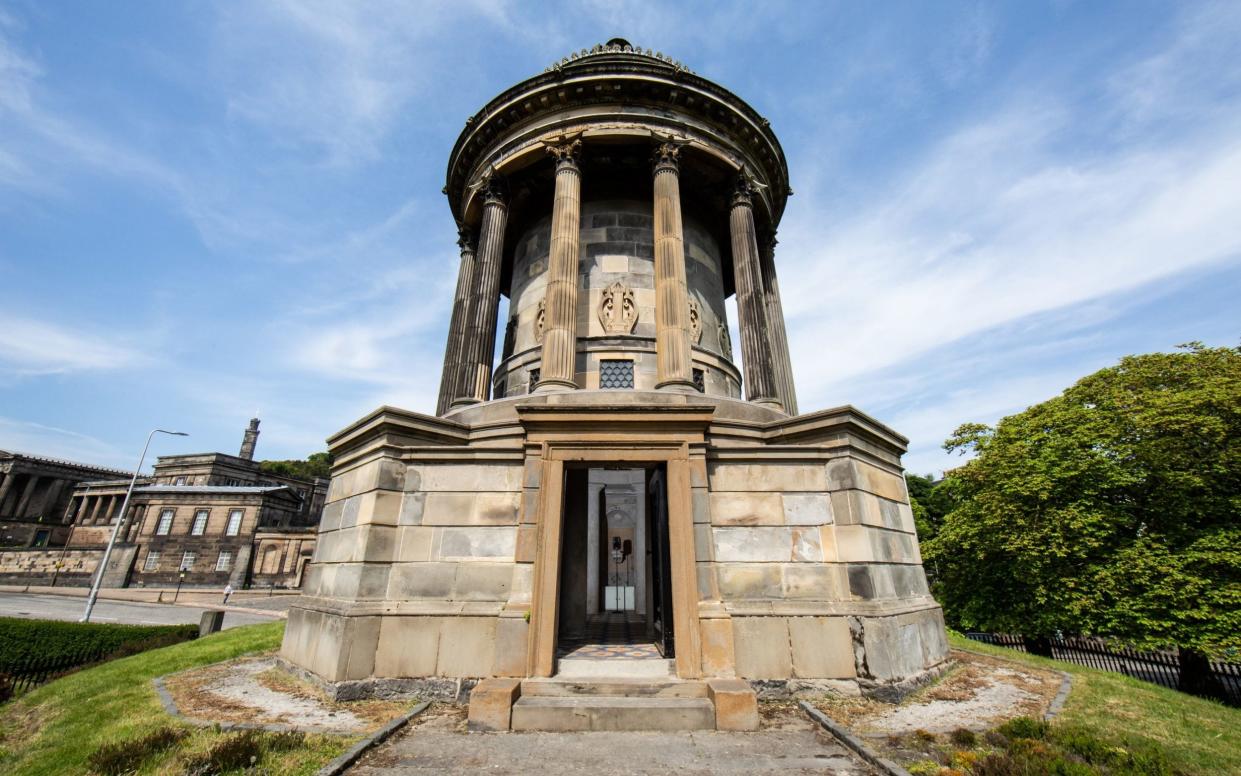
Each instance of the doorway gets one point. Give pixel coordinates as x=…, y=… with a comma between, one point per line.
x=615, y=575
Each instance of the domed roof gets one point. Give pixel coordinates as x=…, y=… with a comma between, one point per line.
x=618, y=46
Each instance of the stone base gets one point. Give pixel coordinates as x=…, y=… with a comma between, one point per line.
x=430, y=688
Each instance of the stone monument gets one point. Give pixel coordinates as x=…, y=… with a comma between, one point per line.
x=612, y=525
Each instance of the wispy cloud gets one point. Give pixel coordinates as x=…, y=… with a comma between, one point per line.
x=39, y=439
x=30, y=347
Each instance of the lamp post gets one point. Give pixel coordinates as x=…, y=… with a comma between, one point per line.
x=116, y=530
x=180, y=579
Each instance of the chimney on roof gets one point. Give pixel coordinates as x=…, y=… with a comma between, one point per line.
x=250, y=439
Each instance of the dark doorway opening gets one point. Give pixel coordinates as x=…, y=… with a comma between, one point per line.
x=615, y=597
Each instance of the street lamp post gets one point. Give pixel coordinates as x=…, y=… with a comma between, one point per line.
x=180, y=579
x=116, y=530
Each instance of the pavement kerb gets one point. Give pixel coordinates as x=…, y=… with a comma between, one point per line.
x=343, y=763
x=853, y=743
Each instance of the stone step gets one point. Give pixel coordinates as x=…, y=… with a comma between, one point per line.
x=632, y=688
x=612, y=668
x=595, y=712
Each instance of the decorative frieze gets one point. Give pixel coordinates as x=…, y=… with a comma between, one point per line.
x=695, y=321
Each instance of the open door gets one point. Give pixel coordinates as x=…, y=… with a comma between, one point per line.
x=661, y=562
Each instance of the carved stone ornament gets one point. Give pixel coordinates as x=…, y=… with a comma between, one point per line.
x=695, y=321
x=540, y=321
x=565, y=149
x=726, y=343
x=667, y=151
x=618, y=311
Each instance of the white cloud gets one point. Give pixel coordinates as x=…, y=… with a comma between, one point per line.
x=29, y=347
x=1000, y=221
x=52, y=442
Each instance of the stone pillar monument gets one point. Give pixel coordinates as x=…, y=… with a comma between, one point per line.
x=614, y=452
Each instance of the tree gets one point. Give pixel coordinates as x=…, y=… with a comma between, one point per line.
x=930, y=500
x=1112, y=509
x=315, y=465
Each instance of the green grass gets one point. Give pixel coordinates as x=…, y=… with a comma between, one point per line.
x=1198, y=735
x=54, y=729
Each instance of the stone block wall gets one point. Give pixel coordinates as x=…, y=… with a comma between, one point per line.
x=819, y=568
x=616, y=246
x=38, y=566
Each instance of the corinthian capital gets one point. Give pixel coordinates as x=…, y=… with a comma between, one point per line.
x=566, y=150
x=467, y=237
x=668, y=152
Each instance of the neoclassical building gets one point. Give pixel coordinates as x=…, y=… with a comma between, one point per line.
x=615, y=523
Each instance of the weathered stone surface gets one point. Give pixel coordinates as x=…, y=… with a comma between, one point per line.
x=477, y=542
x=746, y=509
x=762, y=647
x=718, y=657
x=893, y=646
x=767, y=544
x=822, y=648
x=807, y=508
x=414, y=543
x=779, y=478
x=809, y=581
x=412, y=506
x=491, y=703
x=408, y=646
x=421, y=580
x=857, y=507
x=512, y=638
x=451, y=508
x=482, y=582
x=471, y=478
x=467, y=646
x=846, y=473
x=739, y=581
x=386, y=474
x=736, y=706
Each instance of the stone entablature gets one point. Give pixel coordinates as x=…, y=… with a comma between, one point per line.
x=34, y=492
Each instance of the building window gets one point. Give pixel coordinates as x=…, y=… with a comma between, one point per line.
x=165, y=523
x=179, y=481
x=200, y=523
x=152, y=561
x=187, y=560
x=616, y=374
x=700, y=380
x=535, y=374
x=225, y=561
x=234, y=523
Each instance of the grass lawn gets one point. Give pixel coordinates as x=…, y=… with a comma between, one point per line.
x=1197, y=735
x=55, y=728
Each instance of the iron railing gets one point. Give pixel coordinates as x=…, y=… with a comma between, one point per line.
x=22, y=675
x=1177, y=669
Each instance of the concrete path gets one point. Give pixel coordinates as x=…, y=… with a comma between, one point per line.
x=55, y=607
x=794, y=747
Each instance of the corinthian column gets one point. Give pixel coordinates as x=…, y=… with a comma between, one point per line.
x=560, y=330
x=781, y=364
x=453, y=352
x=672, y=342
x=755, y=349
x=480, y=327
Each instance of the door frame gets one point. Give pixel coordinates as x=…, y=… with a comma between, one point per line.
x=633, y=436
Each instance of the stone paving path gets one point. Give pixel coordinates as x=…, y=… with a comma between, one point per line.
x=795, y=746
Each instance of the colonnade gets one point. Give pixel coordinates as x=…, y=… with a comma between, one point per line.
x=470, y=351
x=29, y=498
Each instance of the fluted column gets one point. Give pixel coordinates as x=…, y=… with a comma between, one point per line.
x=781, y=364
x=755, y=349
x=453, y=351
x=557, y=369
x=672, y=341
x=6, y=485
x=23, y=504
x=480, y=346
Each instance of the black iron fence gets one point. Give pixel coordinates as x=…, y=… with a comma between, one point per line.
x=22, y=675
x=1178, y=669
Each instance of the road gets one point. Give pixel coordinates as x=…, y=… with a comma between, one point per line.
x=54, y=607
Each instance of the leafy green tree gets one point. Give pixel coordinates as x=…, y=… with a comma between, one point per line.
x=931, y=502
x=1113, y=509
x=315, y=465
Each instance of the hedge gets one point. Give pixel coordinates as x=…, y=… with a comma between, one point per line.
x=22, y=640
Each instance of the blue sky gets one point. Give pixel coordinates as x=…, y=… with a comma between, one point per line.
x=212, y=208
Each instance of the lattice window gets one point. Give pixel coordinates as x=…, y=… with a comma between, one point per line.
x=152, y=561
x=700, y=380
x=165, y=523
x=200, y=523
x=616, y=374
x=535, y=374
x=234, y=523
x=225, y=561
x=187, y=560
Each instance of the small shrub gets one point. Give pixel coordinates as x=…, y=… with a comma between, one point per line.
x=963, y=737
x=923, y=735
x=235, y=752
x=995, y=738
x=924, y=768
x=1131, y=758
x=1024, y=727
x=120, y=757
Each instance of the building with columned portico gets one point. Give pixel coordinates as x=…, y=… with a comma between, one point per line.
x=614, y=522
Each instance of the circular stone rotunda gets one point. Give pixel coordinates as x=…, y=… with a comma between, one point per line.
x=616, y=524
